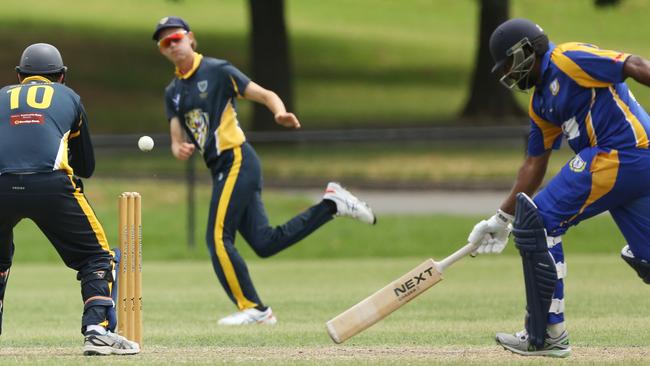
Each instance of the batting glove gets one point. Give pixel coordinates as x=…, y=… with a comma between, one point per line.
x=491, y=235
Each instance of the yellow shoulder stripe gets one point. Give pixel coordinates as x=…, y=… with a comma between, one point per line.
x=573, y=70
x=549, y=131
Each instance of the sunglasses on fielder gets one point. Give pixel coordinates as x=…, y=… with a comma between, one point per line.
x=172, y=38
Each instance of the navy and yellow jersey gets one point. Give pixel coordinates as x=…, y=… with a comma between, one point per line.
x=583, y=96
x=43, y=128
x=204, y=100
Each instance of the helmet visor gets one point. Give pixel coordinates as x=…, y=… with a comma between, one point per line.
x=517, y=70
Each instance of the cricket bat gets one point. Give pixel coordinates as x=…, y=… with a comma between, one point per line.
x=390, y=298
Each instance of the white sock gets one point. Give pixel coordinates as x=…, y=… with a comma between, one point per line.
x=556, y=330
x=97, y=328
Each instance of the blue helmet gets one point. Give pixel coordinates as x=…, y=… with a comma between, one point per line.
x=514, y=45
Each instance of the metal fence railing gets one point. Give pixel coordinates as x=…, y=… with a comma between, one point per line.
x=465, y=134
x=462, y=133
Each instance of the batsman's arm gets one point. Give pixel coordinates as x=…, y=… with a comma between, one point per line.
x=529, y=178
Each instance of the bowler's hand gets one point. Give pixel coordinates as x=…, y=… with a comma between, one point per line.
x=183, y=151
x=491, y=235
x=287, y=119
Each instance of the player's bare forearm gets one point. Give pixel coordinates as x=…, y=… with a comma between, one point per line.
x=529, y=178
x=272, y=101
x=258, y=94
x=638, y=69
x=181, y=149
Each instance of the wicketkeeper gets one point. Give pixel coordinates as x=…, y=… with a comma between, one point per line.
x=45, y=146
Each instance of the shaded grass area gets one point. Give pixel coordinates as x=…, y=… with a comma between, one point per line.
x=451, y=324
x=164, y=228
x=366, y=63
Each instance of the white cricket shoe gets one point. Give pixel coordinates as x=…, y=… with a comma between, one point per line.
x=250, y=316
x=349, y=205
x=96, y=344
x=519, y=343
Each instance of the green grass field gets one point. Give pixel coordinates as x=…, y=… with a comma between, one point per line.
x=452, y=324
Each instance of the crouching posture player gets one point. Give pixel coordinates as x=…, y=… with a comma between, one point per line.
x=44, y=145
x=579, y=92
x=201, y=103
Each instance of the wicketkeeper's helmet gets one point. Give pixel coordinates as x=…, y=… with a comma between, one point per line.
x=41, y=59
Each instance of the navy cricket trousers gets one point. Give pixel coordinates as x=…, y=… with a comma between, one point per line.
x=236, y=205
x=56, y=203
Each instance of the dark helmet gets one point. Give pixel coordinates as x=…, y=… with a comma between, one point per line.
x=41, y=59
x=520, y=40
x=511, y=32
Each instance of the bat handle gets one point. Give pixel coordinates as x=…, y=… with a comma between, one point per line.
x=454, y=257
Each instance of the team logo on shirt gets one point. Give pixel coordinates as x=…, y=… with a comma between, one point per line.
x=198, y=121
x=554, y=87
x=203, y=86
x=577, y=164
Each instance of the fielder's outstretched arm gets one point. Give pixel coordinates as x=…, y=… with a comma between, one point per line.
x=272, y=101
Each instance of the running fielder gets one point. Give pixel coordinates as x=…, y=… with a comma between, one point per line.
x=201, y=102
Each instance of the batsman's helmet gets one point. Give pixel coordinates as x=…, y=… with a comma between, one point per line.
x=41, y=59
x=518, y=41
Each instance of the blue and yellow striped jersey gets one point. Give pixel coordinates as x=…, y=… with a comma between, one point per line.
x=582, y=96
x=204, y=100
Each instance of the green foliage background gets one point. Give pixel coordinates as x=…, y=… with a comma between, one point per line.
x=356, y=63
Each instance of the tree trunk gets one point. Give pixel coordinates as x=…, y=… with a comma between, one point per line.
x=271, y=63
x=489, y=102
